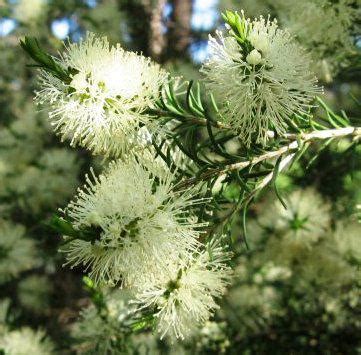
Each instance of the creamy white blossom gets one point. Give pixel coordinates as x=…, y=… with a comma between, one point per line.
x=325, y=28
x=306, y=218
x=183, y=293
x=28, y=11
x=250, y=301
x=99, y=332
x=25, y=131
x=34, y=293
x=35, y=174
x=271, y=273
x=17, y=253
x=103, y=103
x=279, y=275
x=25, y=341
x=139, y=220
x=40, y=183
x=262, y=82
x=347, y=239
x=213, y=335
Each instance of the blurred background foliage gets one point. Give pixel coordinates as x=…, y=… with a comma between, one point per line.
x=297, y=284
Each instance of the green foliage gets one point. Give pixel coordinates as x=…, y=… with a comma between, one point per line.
x=239, y=28
x=45, y=61
x=295, y=289
x=64, y=227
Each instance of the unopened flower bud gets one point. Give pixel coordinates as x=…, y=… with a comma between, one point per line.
x=94, y=218
x=254, y=57
x=259, y=42
x=79, y=82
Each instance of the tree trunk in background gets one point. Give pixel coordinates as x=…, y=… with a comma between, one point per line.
x=180, y=29
x=157, y=39
x=145, y=28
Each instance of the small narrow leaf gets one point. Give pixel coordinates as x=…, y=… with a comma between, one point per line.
x=274, y=178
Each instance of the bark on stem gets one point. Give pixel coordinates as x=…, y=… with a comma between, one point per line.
x=303, y=137
x=157, y=38
x=289, y=148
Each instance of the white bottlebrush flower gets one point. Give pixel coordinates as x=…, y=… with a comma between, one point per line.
x=34, y=292
x=262, y=82
x=28, y=11
x=325, y=270
x=183, y=293
x=254, y=57
x=24, y=131
x=17, y=253
x=40, y=186
x=325, y=28
x=347, y=239
x=146, y=343
x=26, y=341
x=35, y=174
x=306, y=218
x=271, y=273
x=252, y=302
x=139, y=221
x=101, y=331
x=102, y=105
x=213, y=336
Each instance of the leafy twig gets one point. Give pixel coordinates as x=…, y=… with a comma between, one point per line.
x=293, y=146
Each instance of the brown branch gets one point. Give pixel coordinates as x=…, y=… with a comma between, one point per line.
x=289, y=148
x=157, y=38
